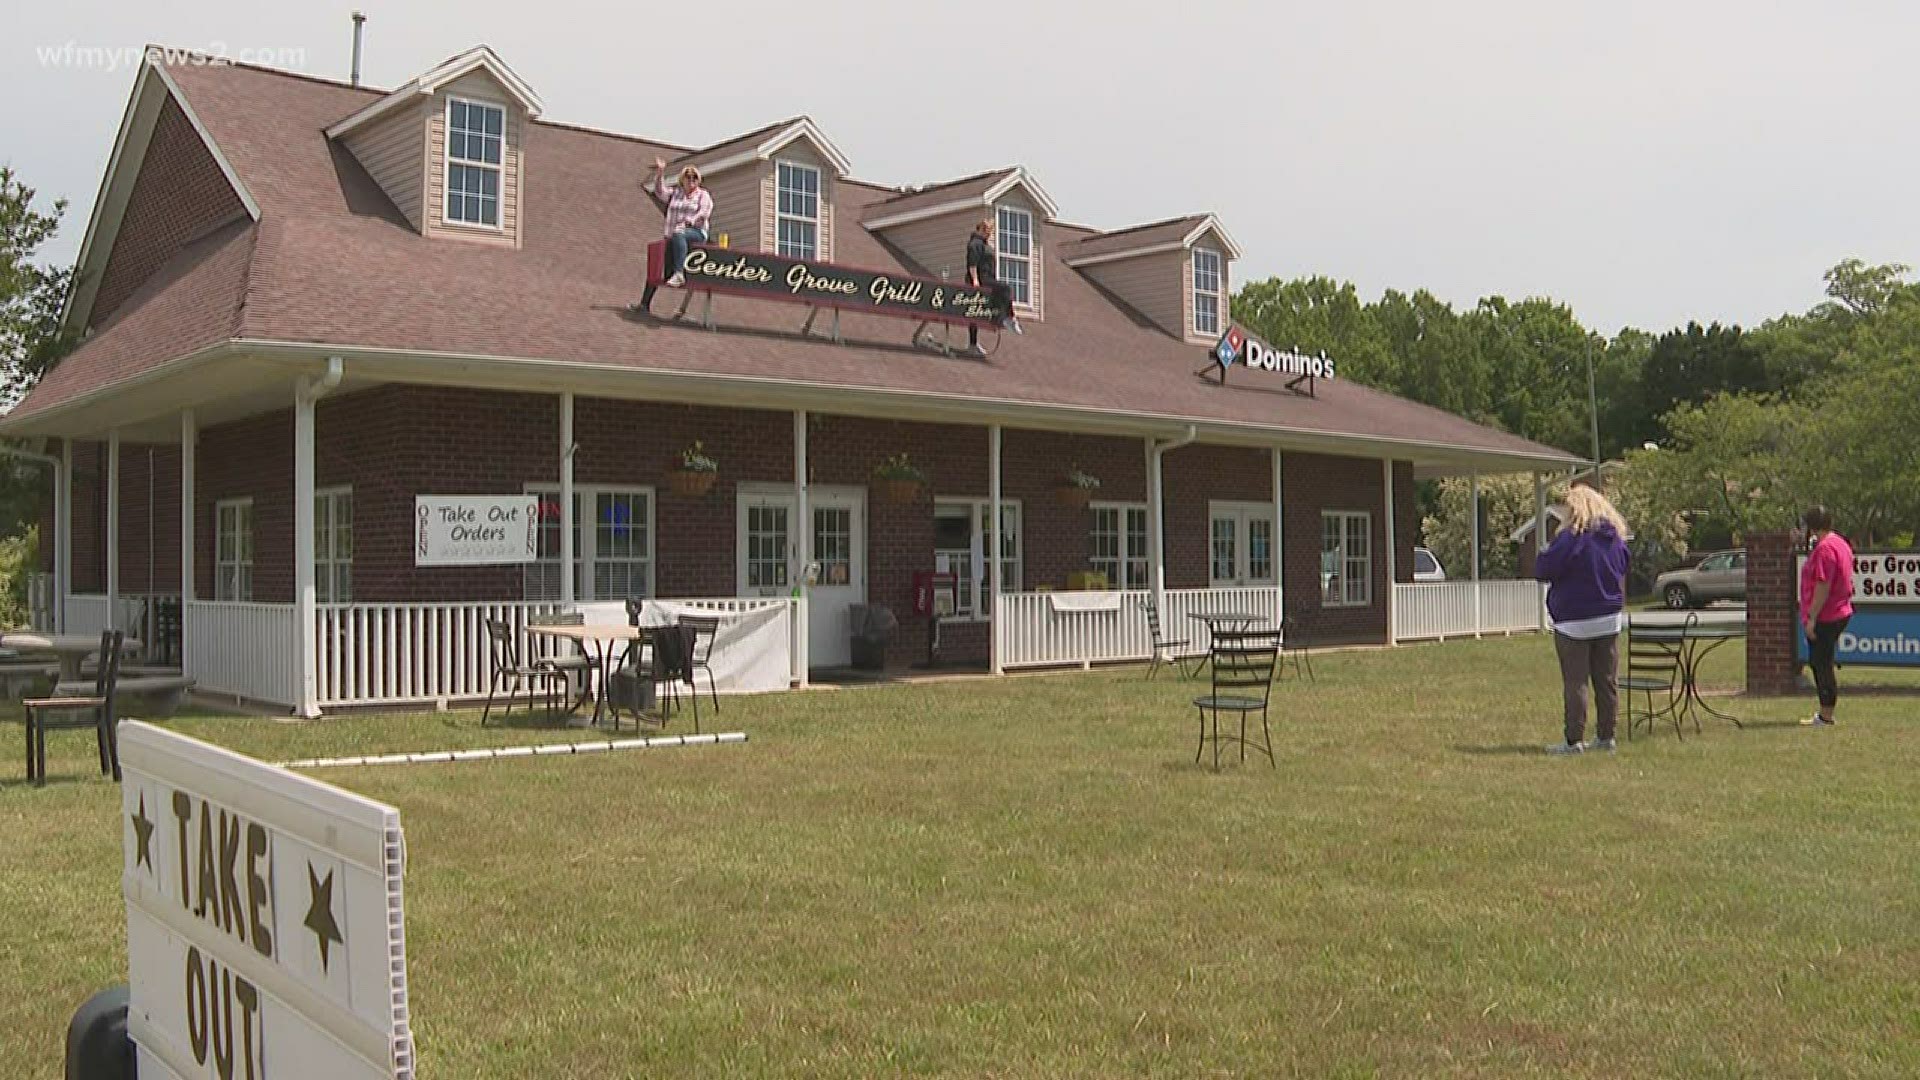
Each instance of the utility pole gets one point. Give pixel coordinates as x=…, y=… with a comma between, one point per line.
x=1593, y=413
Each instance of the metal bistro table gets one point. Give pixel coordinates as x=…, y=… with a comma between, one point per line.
x=1697, y=639
x=72, y=650
x=1223, y=620
x=603, y=638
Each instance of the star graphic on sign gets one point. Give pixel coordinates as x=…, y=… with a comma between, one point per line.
x=320, y=913
x=143, y=835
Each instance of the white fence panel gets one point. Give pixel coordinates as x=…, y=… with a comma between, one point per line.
x=1445, y=609
x=1512, y=605
x=245, y=649
x=1089, y=628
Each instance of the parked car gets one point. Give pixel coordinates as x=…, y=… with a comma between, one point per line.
x=1425, y=567
x=1720, y=576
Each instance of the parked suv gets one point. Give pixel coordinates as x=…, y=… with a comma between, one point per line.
x=1426, y=568
x=1720, y=576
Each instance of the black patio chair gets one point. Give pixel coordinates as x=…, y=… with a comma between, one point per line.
x=1244, y=663
x=705, y=628
x=78, y=711
x=1296, y=629
x=1657, y=667
x=574, y=662
x=1172, y=650
x=503, y=655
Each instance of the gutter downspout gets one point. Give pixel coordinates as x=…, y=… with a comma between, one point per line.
x=306, y=391
x=59, y=612
x=1156, y=518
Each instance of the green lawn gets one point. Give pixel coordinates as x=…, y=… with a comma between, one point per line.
x=1030, y=878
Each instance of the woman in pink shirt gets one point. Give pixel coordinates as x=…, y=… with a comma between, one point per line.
x=689, y=210
x=1826, y=603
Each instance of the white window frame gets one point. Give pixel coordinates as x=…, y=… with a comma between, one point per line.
x=327, y=560
x=781, y=215
x=1013, y=567
x=1243, y=515
x=498, y=168
x=1207, y=301
x=233, y=569
x=1001, y=215
x=1130, y=548
x=586, y=555
x=1344, y=559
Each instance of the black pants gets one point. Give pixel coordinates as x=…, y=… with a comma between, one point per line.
x=1002, y=308
x=1820, y=649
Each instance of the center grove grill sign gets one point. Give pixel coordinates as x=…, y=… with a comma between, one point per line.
x=265, y=931
x=766, y=276
x=475, y=530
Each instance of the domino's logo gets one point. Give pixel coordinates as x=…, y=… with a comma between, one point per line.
x=1231, y=344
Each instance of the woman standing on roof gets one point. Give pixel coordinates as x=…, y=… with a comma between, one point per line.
x=689, y=209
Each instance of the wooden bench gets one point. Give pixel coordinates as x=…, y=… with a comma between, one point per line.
x=149, y=695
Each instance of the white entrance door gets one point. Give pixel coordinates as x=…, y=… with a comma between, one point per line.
x=1240, y=544
x=768, y=558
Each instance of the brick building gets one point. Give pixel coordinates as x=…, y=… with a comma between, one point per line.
x=309, y=303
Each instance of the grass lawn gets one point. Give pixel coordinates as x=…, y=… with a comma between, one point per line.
x=1030, y=878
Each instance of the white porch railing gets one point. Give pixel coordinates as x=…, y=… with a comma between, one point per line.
x=1035, y=633
x=1445, y=609
x=409, y=654
x=245, y=649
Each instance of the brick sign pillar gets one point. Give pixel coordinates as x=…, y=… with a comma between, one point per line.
x=1773, y=608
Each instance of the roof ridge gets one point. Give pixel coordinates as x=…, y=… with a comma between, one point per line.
x=957, y=181
x=1101, y=234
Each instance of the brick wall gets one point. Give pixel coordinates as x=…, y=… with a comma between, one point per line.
x=149, y=518
x=392, y=443
x=1773, y=610
x=179, y=196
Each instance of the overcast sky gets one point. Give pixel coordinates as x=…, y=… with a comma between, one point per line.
x=1644, y=162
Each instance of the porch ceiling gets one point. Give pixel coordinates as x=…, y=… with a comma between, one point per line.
x=241, y=379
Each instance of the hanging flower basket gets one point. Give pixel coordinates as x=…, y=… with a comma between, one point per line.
x=689, y=484
x=694, y=473
x=899, y=480
x=1076, y=488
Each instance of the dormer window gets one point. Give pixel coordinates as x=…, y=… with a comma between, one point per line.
x=1013, y=237
x=797, y=222
x=1206, y=290
x=475, y=133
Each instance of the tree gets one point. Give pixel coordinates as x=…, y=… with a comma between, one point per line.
x=1728, y=457
x=31, y=296
x=1506, y=503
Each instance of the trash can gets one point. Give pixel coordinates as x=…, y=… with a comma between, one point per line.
x=872, y=628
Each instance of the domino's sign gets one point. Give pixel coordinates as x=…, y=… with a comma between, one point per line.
x=265, y=931
x=1238, y=346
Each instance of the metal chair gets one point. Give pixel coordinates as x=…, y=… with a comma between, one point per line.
x=576, y=665
x=1244, y=661
x=1657, y=666
x=95, y=711
x=504, y=656
x=705, y=628
x=1297, y=626
x=1163, y=646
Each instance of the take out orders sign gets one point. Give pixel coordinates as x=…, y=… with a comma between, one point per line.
x=475, y=530
x=265, y=931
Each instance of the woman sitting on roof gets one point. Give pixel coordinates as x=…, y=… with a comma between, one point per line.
x=689, y=209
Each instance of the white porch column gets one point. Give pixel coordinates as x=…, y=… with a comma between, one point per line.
x=803, y=547
x=303, y=592
x=993, y=548
x=1393, y=575
x=1540, y=534
x=113, y=528
x=189, y=440
x=63, y=536
x=1279, y=543
x=566, y=499
x=1156, y=540
x=1473, y=571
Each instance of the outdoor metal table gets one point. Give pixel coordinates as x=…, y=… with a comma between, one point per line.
x=603, y=638
x=1221, y=620
x=72, y=650
x=1696, y=641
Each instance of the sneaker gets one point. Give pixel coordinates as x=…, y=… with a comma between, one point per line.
x=677, y=280
x=1013, y=324
x=1602, y=744
x=1816, y=720
x=1567, y=748
x=976, y=351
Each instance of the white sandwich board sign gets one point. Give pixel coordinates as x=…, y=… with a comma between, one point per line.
x=475, y=530
x=265, y=933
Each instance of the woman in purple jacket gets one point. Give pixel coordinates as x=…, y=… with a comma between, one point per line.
x=1585, y=569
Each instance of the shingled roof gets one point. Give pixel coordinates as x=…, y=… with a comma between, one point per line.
x=331, y=263
x=1153, y=236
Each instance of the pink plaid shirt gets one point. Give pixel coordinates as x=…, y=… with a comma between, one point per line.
x=684, y=211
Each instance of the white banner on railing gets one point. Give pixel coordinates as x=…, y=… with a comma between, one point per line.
x=475, y=530
x=750, y=650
